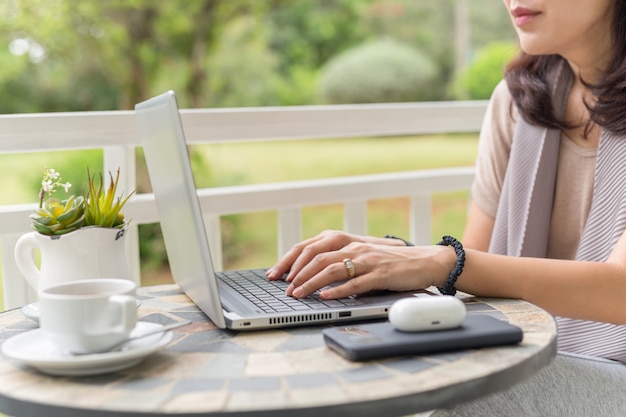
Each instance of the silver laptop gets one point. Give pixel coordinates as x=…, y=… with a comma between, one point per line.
x=231, y=299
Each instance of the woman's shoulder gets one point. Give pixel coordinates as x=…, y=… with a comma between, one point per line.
x=502, y=100
x=502, y=113
x=494, y=146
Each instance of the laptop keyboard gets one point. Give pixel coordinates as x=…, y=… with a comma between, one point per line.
x=270, y=296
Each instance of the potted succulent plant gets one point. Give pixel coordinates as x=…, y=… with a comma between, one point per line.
x=96, y=207
x=78, y=237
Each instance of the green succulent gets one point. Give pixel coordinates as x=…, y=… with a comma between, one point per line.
x=57, y=217
x=97, y=207
x=102, y=207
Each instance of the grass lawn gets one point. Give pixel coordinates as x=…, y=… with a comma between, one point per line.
x=253, y=241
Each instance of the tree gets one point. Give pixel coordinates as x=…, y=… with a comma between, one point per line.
x=95, y=55
x=101, y=55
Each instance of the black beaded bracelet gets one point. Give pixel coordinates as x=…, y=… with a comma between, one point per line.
x=458, y=266
x=406, y=242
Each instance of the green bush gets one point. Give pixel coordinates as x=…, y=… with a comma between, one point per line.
x=378, y=72
x=478, y=80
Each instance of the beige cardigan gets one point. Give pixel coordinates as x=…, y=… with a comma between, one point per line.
x=523, y=216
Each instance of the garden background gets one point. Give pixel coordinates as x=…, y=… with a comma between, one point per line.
x=71, y=55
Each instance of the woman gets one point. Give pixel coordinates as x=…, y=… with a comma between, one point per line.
x=548, y=215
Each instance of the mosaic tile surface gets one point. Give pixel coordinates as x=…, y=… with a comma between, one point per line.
x=207, y=371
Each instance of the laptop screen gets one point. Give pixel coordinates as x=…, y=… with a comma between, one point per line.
x=177, y=202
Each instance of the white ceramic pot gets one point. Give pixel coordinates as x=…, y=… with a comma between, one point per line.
x=89, y=252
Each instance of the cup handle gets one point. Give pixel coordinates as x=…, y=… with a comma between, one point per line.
x=24, y=260
x=128, y=312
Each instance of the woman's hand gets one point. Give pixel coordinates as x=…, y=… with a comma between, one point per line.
x=379, y=264
x=302, y=253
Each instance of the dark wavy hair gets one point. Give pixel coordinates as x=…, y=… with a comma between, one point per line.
x=526, y=76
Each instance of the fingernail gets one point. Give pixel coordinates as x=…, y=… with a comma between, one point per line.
x=289, y=289
x=270, y=273
x=298, y=292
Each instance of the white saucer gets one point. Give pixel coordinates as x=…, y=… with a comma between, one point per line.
x=34, y=348
x=31, y=310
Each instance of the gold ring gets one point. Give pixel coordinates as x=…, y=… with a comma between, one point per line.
x=349, y=267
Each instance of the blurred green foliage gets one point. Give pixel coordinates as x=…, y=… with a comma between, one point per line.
x=22, y=173
x=378, y=72
x=70, y=55
x=478, y=80
x=67, y=55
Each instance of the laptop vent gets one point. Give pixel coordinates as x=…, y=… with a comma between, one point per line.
x=301, y=319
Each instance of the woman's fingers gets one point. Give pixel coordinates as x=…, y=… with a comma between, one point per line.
x=304, y=252
x=346, y=264
x=285, y=264
x=330, y=274
x=355, y=286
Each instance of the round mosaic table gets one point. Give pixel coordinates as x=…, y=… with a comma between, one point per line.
x=205, y=371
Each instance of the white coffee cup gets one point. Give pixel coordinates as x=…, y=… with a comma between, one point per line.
x=88, y=316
